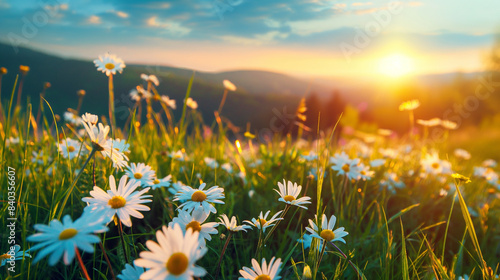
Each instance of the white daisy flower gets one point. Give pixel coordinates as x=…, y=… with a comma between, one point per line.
x=489, y=163
x=232, y=225
x=174, y=256
x=288, y=193
x=377, y=162
x=72, y=118
x=178, y=155
x=131, y=272
x=365, y=173
x=228, y=85
x=262, y=223
x=11, y=141
x=61, y=239
x=109, y=64
x=196, y=222
x=200, y=198
x=191, y=103
x=98, y=135
x=461, y=153
x=326, y=231
x=176, y=187
x=391, y=181
x=262, y=272
x=140, y=93
x=120, y=145
x=227, y=167
x=210, y=162
x=310, y=157
x=69, y=148
x=160, y=183
x=150, y=78
x=346, y=166
x=388, y=153
x=14, y=254
x=123, y=202
x=307, y=240
x=169, y=102
x=431, y=164
x=90, y=119
x=141, y=173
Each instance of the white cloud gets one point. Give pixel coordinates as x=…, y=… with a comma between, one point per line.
x=122, y=14
x=172, y=27
x=256, y=40
x=94, y=20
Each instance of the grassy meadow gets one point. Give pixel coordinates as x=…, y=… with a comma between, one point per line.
x=407, y=211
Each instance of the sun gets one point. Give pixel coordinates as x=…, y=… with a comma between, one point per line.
x=395, y=65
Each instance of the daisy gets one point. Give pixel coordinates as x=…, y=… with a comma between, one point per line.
x=176, y=187
x=461, y=153
x=196, y=222
x=310, y=157
x=174, y=256
x=142, y=173
x=377, y=162
x=72, y=118
x=227, y=167
x=120, y=145
x=262, y=272
x=489, y=163
x=228, y=85
x=11, y=141
x=179, y=155
x=131, y=272
x=326, y=231
x=388, y=153
x=409, y=105
x=160, y=183
x=90, y=119
x=391, y=181
x=69, y=148
x=431, y=164
x=61, y=239
x=262, y=223
x=150, y=79
x=210, y=162
x=449, y=125
x=109, y=64
x=14, y=254
x=98, y=135
x=307, y=239
x=122, y=202
x=429, y=123
x=346, y=166
x=289, y=194
x=169, y=102
x=231, y=225
x=139, y=93
x=365, y=173
x=200, y=198
x=191, y=103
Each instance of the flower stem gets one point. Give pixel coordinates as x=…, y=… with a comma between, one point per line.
x=120, y=232
x=272, y=230
x=222, y=101
x=350, y=262
x=222, y=254
x=112, y=105
x=107, y=260
x=61, y=209
x=80, y=262
x=320, y=258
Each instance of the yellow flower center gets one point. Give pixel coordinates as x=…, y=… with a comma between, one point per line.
x=177, y=263
x=67, y=234
x=109, y=66
x=156, y=181
x=4, y=257
x=362, y=172
x=435, y=165
x=117, y=202
x=327, y=234
x=194, y=225
x=138, y=176
x=346, y=167
x=262, y=277
x=262, y=222
x=71, y=149
x=289, y=198
x=198, y=196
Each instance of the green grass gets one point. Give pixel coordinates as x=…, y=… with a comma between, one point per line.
x=408, y=233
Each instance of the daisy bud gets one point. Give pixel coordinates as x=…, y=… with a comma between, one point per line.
x=81, y=93
x=24, y=69
x=3, y=70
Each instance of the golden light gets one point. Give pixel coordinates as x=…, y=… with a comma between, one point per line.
x=395, y=65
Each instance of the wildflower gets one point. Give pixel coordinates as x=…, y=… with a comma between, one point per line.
x=191, y=103
x=461, y=178
x=139, y=93
x=24, y=69
x=160, y=183
x=175, y=187
x=227, y=167
x=461, y=153
x=169, y=102
x=486, y=173
x=365, y=173
x=228, y=85
x=90, y=119
x=449, y=124
x=433, y=165
x=131, y=272
x=141, y=173
x=388, y=153
x=326, y=231
x=262, y=223
x=109, y=64
x=196, y=222
x=307, y=239
x=377, y=162
x=200, y=198
x=150, y=79
x=391, y=181
x=174, y=256
x=210, y=162
x=231, y=225
x=12, y=141
x=429, y=123
x=120, y=145
x=409, y=105
x=310, y=157
x=98, y=135
x=489, y=163
x=61, y=239
x=178, y=155
x=346, y=166
x=122, y=202
x=69, y=148
x=262, y=272
x=289, y=192
x=72, y=118
x=14, y=254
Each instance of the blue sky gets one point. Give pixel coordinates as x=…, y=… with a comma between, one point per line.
x=301, y=37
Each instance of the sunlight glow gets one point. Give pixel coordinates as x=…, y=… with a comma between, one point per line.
x=395, y=65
